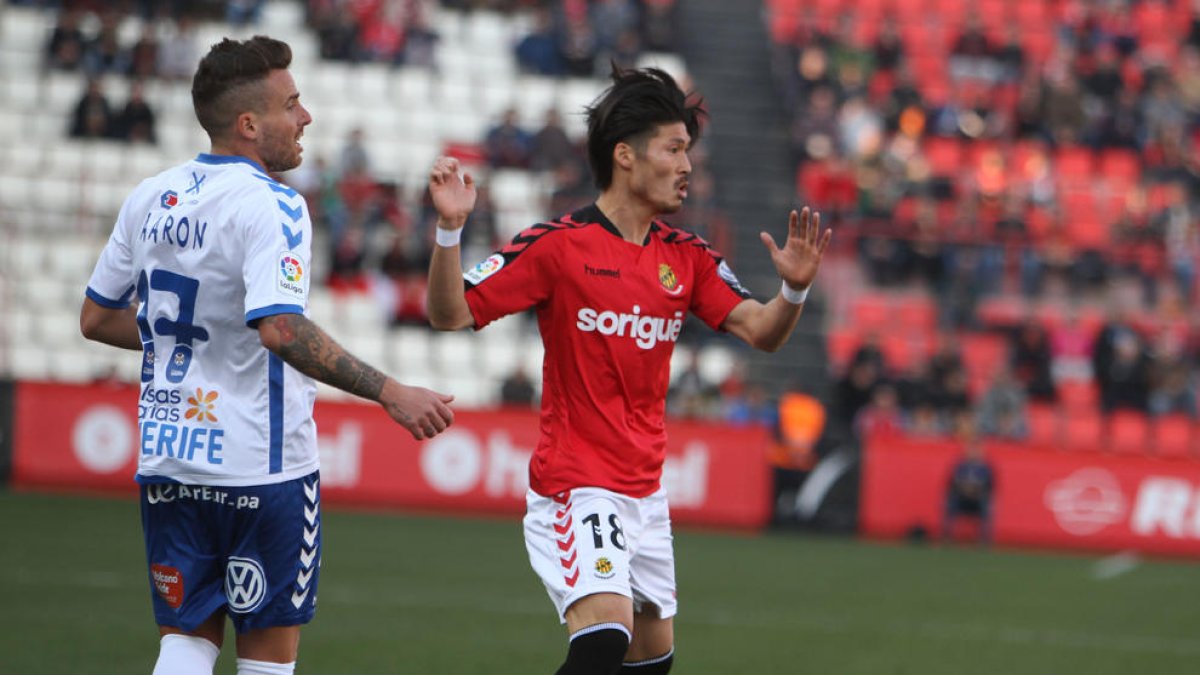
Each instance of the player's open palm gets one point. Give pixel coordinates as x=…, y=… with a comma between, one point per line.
x=424, y=413
x=800, y=257
x=453, y=192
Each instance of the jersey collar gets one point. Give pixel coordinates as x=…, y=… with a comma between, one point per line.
x=208, y=158
x=592, y=214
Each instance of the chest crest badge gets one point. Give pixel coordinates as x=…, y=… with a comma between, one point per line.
x=666, y=277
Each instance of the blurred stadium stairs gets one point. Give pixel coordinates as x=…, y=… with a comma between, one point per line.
x=725, y=46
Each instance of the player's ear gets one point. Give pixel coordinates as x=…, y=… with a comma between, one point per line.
x=246, y=125
x=623, y=155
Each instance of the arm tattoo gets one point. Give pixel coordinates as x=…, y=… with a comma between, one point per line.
x=310, y=350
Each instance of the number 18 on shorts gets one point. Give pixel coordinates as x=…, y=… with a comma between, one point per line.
x=591, y=540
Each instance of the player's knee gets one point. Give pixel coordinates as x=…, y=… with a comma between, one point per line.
x=596, y=650
x=659, y=665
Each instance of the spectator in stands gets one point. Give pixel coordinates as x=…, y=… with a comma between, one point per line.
x=1173, y=378
x=814, y=130
x=355, y=160
x=1030, y=358
x=517, y=390
x=243, y=12
x=578, y=46
x=610, y=19
x=135, y=123
x=853, y=392
x=969, y=491
x=1071, y=349
x=507, y=145
x=881, y=416
x=972, y=56
x=178, y=53
x=750, y=407
x=1122, y=367
x=550, y=145
x=1002, y=412
x=143, y=56
x=103, y=54
x=66, y=47
x=657, y=25
x=93, y=117
x=537, y=52
x=691, y=395
x=888, y=50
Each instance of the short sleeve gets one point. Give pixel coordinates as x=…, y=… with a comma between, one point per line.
x=718, y=290
x=513, y=279
x=276, y=268
x=113, y=280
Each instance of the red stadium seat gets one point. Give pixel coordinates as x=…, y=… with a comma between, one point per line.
x=915, y=313
x=840, y=344
x=1074, y=166
x=1175, y=437
x=1083, y=430
x=945, y=156
x=983, y=354
x=1043, y=425
x=1086, y=227
x=1078, y=395
x=1122, y=169
x=1128, y=432
x=871, y=312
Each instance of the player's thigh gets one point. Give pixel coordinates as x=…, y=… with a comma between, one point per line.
x=212, y=629
x=577, y=546
x=652, y=637
x=279, y=644
x=600, y=608
x=652, y=565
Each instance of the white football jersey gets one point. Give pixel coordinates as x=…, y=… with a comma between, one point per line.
x=207, y=248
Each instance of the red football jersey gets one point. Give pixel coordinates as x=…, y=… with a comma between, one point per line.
x=609, y=312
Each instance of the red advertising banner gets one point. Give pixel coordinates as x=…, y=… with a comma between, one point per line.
x=1043, y=496
x=86, y=437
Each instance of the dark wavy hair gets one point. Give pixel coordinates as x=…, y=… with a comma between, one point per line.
x=227, y=79
x=630, y=110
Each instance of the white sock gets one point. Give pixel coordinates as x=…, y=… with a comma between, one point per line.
x=185, y=655
x=252, y=667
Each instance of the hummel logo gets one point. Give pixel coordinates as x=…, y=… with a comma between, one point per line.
x=601, y=272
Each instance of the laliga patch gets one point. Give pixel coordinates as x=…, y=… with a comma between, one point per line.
x=168, y=583
x=604, y=568
x=727, y=275
x=484, y=269
x=290, y=279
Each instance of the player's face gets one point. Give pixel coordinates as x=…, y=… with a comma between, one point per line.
x=282, y=123
x=660, y=171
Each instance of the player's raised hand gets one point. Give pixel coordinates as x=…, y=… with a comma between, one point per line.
x=453, y=192
x=800, y=258
x=424, y=413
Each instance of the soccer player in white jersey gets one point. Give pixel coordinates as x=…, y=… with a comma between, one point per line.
x=611, y=285
x=217, y=254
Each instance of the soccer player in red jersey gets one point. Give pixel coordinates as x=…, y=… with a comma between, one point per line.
x=611, y=285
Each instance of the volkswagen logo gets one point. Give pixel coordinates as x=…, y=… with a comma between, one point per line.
x=245, y=584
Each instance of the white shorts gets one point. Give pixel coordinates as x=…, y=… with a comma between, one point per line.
x=591, y=540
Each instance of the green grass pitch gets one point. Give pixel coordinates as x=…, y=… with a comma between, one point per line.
x=419, y=594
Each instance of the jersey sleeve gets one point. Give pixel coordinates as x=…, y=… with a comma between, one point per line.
x=718, y=290
x=113, y=281
x=513, y=279
x=276, y=268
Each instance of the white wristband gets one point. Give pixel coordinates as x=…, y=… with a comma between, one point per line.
x=794, y=297
x=448, y=238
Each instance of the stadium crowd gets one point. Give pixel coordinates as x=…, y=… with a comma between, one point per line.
x=1017, y=165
